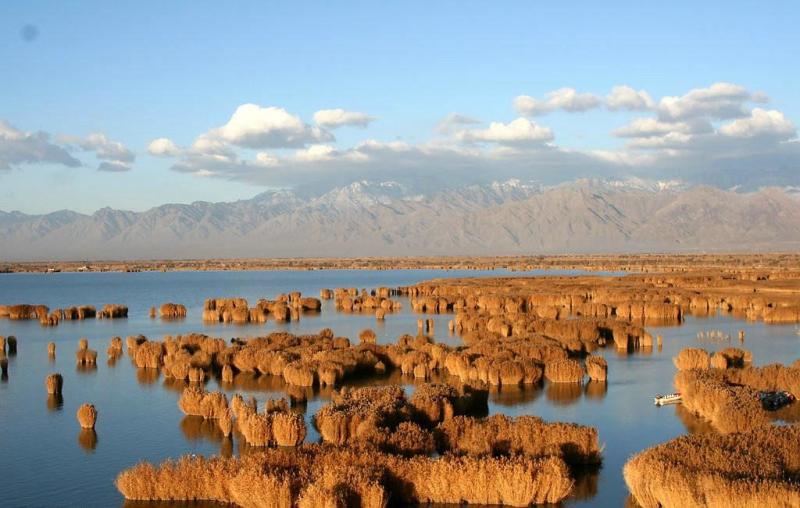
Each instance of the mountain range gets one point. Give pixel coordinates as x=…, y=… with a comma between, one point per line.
x=388, y=219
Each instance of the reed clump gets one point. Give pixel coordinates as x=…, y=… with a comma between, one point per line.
x=330, y=475
x=87, y=416
x=115, y=347
x=51, y=349
x=564, y=371
x=113, y=311
x=692, y=358
x=501, y=435
x=354, y=412
x=195, y=401
x=172, y=311
x=753, y=468
x=729, y=408
x=367, y=336
x=86, y=357
x=434, y=403
x=276, y=426
x=54, y=383
x=596, y=368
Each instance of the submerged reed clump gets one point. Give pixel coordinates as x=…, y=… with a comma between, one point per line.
x=54, y=383
x=753, y=468
x=87, y=416
x=86, y=357
x=115, y=347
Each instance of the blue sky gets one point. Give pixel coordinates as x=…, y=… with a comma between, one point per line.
x=144, y=70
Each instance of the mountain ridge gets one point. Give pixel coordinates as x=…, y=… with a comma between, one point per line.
x=388, y=219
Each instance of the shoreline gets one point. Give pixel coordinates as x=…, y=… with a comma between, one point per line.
x=646, y=263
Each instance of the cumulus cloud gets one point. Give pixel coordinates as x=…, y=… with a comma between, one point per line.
x=18, y=147
x=254, y=126
x=518, y=132
x=164, y=147
x=706, y=135
x=566, y=99
x=625, y=97
x=761, y=122
x=114, y=156
x=718, y=101
x=333, y=118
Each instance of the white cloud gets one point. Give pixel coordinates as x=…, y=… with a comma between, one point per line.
x=625, y=97
x=651, y=127
x=566, y=99
x=454, y=121
x=761, y=122
x=18, y=147
x=163, y=147
x=718, y=101
x=254, y=126
x=266, y=160
x=517, y=132
x=106, y=149
x=113, y=155
x=333, y=118
x=113, y=166
x=683, y=138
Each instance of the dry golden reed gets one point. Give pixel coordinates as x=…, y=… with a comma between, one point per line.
x=54, y=383
x=197, y=402
x=324, y=476
x=527, y=435
x=753, y=468
x=692, y=358
x=87, y=416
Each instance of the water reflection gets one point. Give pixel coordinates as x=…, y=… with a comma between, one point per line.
x=196, y=427
x=510, y=396
x=586, y=482
x=55, y=402
x=563, y=394
x=87, y=439
x=86, y=368
x=693, y=423
x=147, y=376
x=596, y=390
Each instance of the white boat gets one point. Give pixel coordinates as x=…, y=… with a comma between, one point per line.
x=672, y=398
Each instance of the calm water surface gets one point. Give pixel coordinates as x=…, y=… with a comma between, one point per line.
x=47, y=461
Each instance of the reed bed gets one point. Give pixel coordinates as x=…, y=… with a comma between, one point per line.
x=320, y=475
x=500, y=435
x=754, y=468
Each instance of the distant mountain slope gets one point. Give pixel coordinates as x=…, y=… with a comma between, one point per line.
x=385, y=218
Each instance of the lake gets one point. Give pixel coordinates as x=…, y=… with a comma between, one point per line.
x=47, y=460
